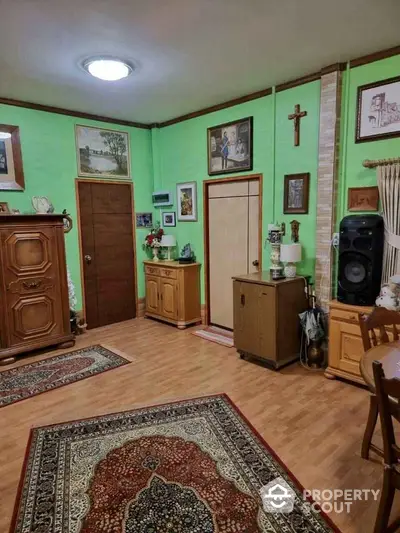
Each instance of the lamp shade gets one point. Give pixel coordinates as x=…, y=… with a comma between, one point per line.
x=291, y=253
x=168, y=241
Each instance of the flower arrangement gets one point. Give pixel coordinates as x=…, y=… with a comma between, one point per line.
x=153, y=239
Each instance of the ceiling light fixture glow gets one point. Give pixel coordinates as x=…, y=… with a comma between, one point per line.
x=107, y=68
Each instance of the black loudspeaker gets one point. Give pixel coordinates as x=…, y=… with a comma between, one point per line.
x=360, y=259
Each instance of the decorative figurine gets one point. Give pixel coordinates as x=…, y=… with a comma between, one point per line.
x=295, y=225
x=275, y=233
x=187, y=255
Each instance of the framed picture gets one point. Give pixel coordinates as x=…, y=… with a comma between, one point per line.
x=102, y=153
x=363, y=199
x=144, y=220
x=378, y=110
x=4, y=207
x=230, y=147
x=11, y=170
x=187, y=201
x=296, y=191
x=67, y=220
x=168, y=219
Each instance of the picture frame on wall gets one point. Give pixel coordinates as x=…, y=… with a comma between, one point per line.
x=102, y=153
x=168, y=219
x=11, y=169
x=378, y=110
x=230, y=147
x=363, y=199
x=144, y=220
x=296, y=193
x=186, y=195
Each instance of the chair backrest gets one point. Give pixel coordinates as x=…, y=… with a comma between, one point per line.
x=384, y=388
x=377, y=320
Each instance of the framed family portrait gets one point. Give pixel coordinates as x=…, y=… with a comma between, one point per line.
x=230, y=147
x=11, y=170
x=186, y=194
x=378, y=110
x=296, y=192
x=363, y=199
x=102, y=153
x=168, y=219
x=144, y=220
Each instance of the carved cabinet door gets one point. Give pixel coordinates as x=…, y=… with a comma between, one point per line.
x=169, y=307
x=31, y=280
x=152, y=294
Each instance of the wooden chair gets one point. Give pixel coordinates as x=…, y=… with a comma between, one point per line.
x=379, y=320
x=387, y=391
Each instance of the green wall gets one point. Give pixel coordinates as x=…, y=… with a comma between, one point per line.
x=50, y=168
x=181, y=155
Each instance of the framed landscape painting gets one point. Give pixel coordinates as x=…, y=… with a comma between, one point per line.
x=230, y=147
x=378, y=110
x=11, y=171
x=102, y=153
x=296, y=192
x=363, y=199
x=187, y=201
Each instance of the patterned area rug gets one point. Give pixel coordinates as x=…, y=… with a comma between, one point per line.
x=215, y=334
x=28, y=380
x=193, y=466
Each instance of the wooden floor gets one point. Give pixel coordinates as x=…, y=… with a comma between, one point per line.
x=314, y=425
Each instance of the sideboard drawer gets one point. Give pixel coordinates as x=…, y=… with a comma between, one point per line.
x=168, y=273
x=342, y=314
x=153, y=271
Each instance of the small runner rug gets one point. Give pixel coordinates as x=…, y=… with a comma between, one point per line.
x=215, y=334
x=193, y=466
x=32, y=379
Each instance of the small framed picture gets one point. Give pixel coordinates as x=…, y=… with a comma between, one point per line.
x=363, y=199
x=230, y=147
x=4, y=207
x=187, y=201
x=296, y=192
x=378, y=110
x=144, y=220
x=168, y=219
x=67, y=220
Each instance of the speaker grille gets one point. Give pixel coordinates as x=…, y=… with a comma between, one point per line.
x=354, y=271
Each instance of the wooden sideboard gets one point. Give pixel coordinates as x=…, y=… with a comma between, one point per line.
x=266, y=317
x=33, y=285
x=173, y=292
x=345, y=343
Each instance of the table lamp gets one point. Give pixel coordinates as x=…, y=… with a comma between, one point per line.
x=168, y=241
x=290, y=254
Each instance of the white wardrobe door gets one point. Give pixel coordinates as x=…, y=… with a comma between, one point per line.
x=254, y=209
x=228, y=253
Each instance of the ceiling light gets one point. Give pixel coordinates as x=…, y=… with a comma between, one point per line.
x=5, y=135
x=107, y=68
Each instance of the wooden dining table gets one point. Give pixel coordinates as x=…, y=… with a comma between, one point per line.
x=388, y=354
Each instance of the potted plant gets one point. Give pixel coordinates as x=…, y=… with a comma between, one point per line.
x=153, y=240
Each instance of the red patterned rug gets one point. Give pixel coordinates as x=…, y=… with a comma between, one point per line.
x=32, y=379
x=192, y=466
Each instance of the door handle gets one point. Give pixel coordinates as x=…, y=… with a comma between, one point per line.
x=88, y=259
x=255, y=262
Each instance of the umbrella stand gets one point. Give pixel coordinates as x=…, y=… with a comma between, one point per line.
x=313, y=326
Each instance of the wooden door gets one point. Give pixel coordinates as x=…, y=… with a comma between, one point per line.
x=108, y=254
x=233, y=242
x=152, y=294
x=345, y=346
x=31, y=274
x=169, y=307
x=247, y=335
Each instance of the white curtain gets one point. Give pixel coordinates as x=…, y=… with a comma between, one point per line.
x=389, y=191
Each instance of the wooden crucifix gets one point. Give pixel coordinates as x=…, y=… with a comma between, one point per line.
x=296, y=116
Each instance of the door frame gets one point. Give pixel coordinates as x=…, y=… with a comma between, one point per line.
x=206, y=184
x=78, y=211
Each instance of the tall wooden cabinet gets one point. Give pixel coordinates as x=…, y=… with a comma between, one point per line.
x=33, y=285
x=173, y=292
x=266, y=321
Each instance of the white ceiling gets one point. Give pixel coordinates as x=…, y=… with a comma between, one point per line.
x=191, y=54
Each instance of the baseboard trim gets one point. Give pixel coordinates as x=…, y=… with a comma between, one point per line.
x=141, y=307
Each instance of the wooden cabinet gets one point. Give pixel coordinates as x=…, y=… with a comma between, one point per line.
x=266, y=322
x=173, y=292
x=345, y=343
x=33, y=284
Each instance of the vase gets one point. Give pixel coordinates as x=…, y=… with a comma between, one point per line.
x=155, y=254
x=315, y=354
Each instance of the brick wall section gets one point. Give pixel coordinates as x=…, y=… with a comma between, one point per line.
x=328, y=163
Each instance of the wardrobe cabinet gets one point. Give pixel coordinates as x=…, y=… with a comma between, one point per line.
x=173, y=292
x=266, y=317
x=33, y=285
